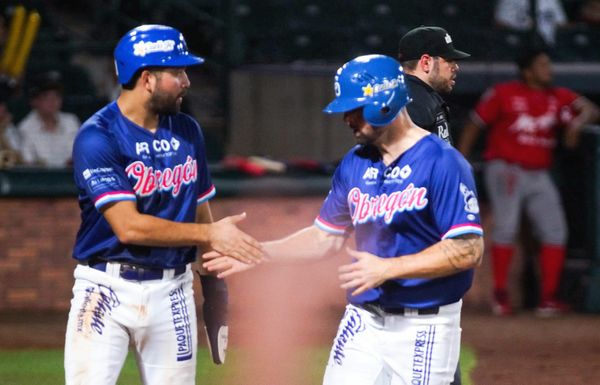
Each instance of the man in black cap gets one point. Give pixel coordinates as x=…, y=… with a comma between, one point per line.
x=430, y=66
x=430, y=63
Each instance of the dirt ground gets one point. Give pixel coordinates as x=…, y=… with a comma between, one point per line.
x=517, y=350
x=276, y=311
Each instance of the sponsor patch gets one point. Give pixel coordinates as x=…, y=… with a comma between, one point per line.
x=181, y=324
x=352, y=324
x=471, y=204
x=99, y=301
x=422, y=352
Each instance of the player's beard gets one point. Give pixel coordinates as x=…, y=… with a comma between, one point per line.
x=163, y=103
x=366, y=135
x=437, y=82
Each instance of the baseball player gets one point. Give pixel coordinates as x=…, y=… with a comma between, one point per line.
x=144, y=186
x=410, y=200
x=523, y=117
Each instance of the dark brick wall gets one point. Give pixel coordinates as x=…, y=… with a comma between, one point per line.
x=37, y=235
x=35, y=265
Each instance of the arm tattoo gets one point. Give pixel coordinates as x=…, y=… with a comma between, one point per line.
x=463, y=252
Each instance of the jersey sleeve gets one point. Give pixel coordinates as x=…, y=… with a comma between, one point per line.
x=98, y=169
x=565, y=96
x=488, y=108
x=206, y=188
x=334, y=216
x=567, y=104
x=454, y=196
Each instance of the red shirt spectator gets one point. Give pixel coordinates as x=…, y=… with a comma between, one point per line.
x=523, y=122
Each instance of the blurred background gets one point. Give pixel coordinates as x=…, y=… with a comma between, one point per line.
x=259, y=96
x=269, y=62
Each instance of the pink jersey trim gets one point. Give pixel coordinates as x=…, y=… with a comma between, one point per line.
x=463, y=229
x=207, y=195
x=114, y=196
x=330, y=228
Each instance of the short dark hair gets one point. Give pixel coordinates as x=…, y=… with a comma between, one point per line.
x=410, y=64
x=526, y=58
x=131, y=83
x=47, y=81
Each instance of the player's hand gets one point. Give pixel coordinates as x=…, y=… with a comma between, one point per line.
x=367, y=272
x=227, y=239
x=223, y=265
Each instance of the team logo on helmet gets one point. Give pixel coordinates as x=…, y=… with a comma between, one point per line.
x=143, y=48
x=371, y=89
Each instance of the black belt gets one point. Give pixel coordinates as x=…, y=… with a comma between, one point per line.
x=134, y=272
x=377, y=309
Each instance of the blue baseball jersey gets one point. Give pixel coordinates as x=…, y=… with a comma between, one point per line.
x=165, y=173
x=427, y=194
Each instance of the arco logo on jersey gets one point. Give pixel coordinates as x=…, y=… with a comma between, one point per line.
x=391, y=174
x=149, y=180
x=158, y=145
x=370, y=208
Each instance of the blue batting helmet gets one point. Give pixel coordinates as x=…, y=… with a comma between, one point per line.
x=375, y=82
x=151, y=45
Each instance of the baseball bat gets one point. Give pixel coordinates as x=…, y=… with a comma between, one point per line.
x=14, y=35
x=31, y=30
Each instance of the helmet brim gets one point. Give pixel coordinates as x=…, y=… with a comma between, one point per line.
x=183, y=61
x=344, y=104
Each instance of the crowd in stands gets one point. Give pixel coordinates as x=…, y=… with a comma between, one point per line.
x=43, y=138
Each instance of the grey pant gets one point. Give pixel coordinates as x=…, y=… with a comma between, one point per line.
x=513, y=190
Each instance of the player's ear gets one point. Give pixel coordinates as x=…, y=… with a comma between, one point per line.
x=425, y=63
x=148, y=79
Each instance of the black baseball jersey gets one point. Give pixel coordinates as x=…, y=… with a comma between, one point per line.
x=427, y=109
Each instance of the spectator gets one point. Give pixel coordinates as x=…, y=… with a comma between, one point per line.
x=10, y=140
x=589, y=13
x=517, y=15
x=48, y=132
x=523, y=118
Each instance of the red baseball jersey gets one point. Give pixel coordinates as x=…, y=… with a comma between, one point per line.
x=523, y=122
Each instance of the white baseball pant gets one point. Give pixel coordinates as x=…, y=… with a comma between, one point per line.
x=388, y=349
x=107, y=312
